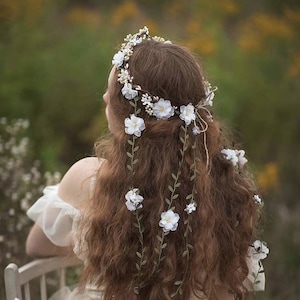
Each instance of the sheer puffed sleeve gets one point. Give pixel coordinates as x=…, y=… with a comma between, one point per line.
x=54, y=216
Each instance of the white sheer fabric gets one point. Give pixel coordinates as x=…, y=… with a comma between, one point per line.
x=58, y=219
x=54, y=216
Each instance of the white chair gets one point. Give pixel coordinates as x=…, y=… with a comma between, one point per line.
x=17, y=280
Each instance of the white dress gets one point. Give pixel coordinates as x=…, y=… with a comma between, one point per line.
x=58, y=220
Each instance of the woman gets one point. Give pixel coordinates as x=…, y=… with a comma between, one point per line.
x=166, y=210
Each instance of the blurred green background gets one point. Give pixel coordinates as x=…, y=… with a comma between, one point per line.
x=54, y=62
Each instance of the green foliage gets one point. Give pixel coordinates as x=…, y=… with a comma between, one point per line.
x=21, y=183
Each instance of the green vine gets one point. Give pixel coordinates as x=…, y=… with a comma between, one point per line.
x=188, y=247
x=138, y=224
x=173, y=196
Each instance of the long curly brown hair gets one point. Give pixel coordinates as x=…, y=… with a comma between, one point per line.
x=222, y=227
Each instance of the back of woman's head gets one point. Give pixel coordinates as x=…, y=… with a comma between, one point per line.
x=169, y=215
x=163, y=69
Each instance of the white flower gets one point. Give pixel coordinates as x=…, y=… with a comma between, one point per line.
x=146, y=99
x=259, y=250
x=196, y=130
x=134, y=125
x=190, y=208
x=118, y=59
x=123, y=76
x=237, y=157
x=169, y=220
x=210, y=95
x=163, y=109
x=128, y=92
x=134, y=199
x=187, y=113
x=230, y=154
x=241, y=157
x=127, y=53
x=257, y=200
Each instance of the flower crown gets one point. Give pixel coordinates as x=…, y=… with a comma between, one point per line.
x=162, y=109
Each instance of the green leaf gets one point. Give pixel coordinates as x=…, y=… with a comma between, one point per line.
x=163, y=246
x=130, y=142
x=159, y=238
x=189, y=196
x=129, y=167
x=138, y=254
x=190, y=246
x=179, y=282
x=135, y=161
x=175, y=196
x=170, y=188
x=136, y=148
x=129, y=154
x=138, y=111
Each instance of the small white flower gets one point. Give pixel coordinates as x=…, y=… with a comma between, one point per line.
x=127, y=53
x=230, y=154
x=134, y=125
x=118, y=59
x=190, y=208
x=257, y=200
x=259, y=250
x=187, y=113
x=169, y=220
x=196, y=130
x=133, y=199
x=123, y=76
x=209, y=93
x=163, y=109
x=237, y=157
x=146, y=99
x=128, y=92
x=241, y=157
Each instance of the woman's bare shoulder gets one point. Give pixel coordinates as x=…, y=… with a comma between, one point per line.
x=75, y=186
